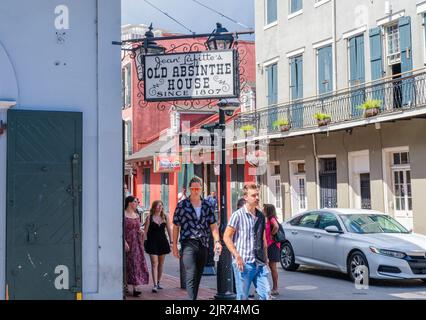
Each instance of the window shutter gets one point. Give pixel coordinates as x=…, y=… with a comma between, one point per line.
x=128, y=84
x=299, y=67
x=407, y=88
x=325, y=70
x=293, y=79
x=275, y=83
x=404, y=25
x=271, y=11
x=353, y=61
x=376, y=53
x=360, y=58
x=129, y=138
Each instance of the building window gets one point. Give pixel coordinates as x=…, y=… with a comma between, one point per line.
x=272, y=84
x=175, y=122
x=393, y=44
x=271, y=11
x=365, y=190
x=295, y=5
x=248, y=100
x=401, y=175
x=277, y=193
x=302, y=193
x=126, y=80
x=128, y=141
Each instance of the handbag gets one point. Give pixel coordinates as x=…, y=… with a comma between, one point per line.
x=280, y=235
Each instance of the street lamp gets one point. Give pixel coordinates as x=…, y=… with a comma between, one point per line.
x=225, y=290
x=149, y=47
x=219, y=41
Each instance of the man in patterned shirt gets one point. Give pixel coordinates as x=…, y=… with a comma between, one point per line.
x=193, y=221
x=245, y=238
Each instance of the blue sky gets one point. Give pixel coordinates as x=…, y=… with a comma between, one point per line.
x=191, y=14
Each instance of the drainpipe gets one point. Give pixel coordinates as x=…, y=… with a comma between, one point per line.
x=334, y=21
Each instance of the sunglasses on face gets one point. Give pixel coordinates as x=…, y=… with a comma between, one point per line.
x=195, y=189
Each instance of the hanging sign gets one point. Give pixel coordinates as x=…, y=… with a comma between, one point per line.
x=167, y=163
x=192, y=75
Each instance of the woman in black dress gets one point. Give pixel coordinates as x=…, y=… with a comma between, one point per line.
x=156, y=243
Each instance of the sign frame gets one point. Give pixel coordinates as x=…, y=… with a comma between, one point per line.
x=235, y=69
x=157, y=169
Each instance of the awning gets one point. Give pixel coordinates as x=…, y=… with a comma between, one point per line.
x=149, y=151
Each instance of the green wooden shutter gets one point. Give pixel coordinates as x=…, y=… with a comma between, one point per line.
x=376, y=61
x=271, y=11
x=325, y=70
x=357, y=73
x=296, y=74
x=296, y=5
x=129, y=138
x=146, y=187
x=376, y=53
x=405, y=42
x=272, y=95
x=165, y=190
x=404, y=25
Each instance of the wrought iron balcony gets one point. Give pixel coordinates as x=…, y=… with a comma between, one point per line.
x=397, y=96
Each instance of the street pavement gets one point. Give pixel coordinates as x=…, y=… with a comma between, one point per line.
x=311, y=284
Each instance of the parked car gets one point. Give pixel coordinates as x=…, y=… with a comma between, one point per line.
x=344, y=239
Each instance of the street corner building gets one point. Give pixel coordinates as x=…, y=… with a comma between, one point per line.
x=341, y=103
x=60, y=150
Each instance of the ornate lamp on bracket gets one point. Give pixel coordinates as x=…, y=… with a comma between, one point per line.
x=219, y=41
x=149, y=47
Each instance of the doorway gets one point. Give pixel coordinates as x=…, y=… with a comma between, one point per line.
x=43, y=213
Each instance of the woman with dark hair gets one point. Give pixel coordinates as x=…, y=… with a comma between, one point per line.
x=156, y=244
x=271, y=229
x=136, y=269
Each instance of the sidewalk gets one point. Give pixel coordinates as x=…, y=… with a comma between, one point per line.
x=171, y=291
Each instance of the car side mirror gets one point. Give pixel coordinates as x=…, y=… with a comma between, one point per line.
x=332, y=229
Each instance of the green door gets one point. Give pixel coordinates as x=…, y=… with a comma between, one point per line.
x=43, y=217
x=165, y=190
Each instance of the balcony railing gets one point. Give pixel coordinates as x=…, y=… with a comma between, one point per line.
x=395, y=95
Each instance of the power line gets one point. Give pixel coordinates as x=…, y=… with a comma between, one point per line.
x=169, y=16
x=221, y=14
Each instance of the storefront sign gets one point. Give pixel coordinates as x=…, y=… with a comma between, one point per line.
x=167, y=164
x=192, y=75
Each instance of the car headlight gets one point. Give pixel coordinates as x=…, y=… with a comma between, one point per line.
x=389, y=253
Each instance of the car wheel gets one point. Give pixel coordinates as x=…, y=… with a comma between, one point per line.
x=287, y=257
x=357, y=260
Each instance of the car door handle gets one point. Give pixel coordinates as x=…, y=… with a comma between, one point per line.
x=317, y=236
x=294, y=232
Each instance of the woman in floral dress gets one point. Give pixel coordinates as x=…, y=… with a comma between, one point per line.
x=136, y=268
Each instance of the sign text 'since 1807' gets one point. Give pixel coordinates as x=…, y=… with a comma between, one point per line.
x=191, y=75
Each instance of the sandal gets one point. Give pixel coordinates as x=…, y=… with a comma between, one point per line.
x=274, y=293
x=136, y=293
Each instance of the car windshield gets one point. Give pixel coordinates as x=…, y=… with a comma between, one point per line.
x=372, y=223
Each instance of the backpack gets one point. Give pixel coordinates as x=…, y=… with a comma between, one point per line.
x=280, y=235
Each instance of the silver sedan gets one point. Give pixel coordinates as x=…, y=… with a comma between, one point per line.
x=361, y=243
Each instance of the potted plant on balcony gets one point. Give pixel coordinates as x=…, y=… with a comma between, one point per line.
x=323, y=119
x=282, y=124
x=248, y=130
x=371, y=107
